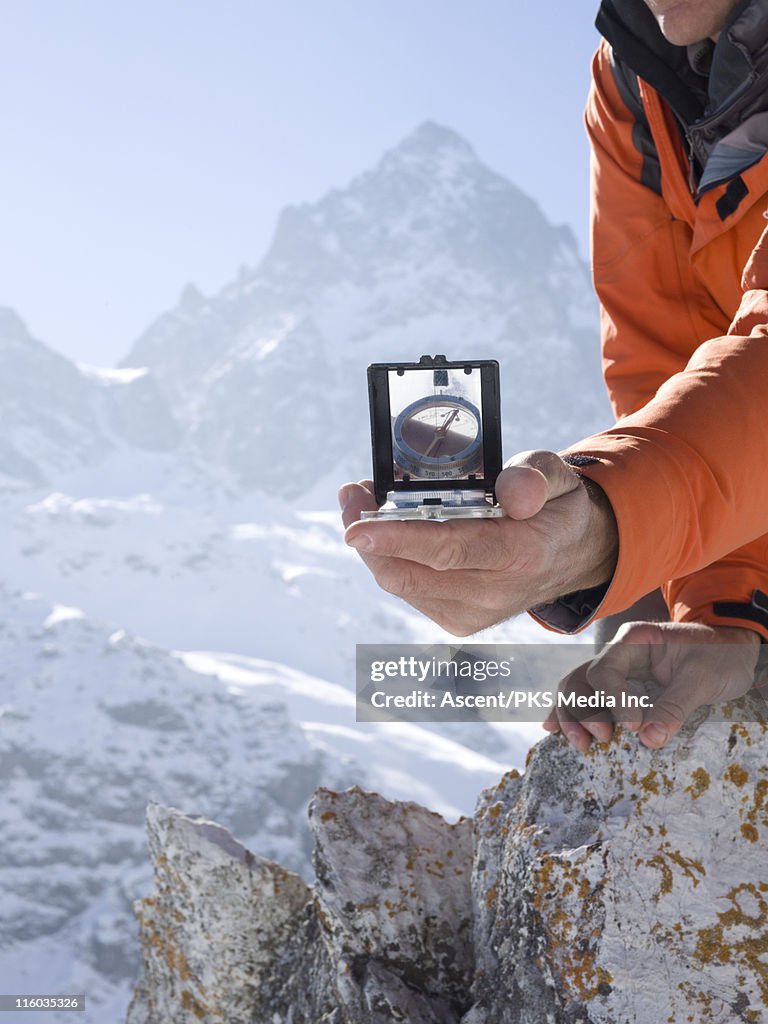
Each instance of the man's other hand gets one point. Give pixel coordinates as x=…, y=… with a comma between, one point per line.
x=466, y=575
x=696, y=665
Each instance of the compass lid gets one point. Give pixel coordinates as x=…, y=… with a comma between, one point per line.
x=435, y=426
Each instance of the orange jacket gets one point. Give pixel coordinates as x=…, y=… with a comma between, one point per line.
x=683, y=287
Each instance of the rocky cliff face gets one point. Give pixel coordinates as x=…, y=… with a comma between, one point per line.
x=626, y=886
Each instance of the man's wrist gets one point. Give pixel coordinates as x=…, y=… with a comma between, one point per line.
x=592, y=562
x=738, y=635
x=600, y=543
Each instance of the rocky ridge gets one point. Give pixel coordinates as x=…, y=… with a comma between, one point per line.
x=623, y=887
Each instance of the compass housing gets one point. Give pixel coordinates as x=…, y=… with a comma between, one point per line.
x=435, y=436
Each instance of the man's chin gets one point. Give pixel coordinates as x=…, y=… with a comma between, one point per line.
x=678, y=31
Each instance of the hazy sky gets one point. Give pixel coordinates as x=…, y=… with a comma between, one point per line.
x=153, y=143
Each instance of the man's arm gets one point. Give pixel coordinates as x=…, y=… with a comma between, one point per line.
x=686, y=475
x=655, y=312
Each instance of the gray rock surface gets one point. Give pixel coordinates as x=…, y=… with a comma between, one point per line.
x=623, y=887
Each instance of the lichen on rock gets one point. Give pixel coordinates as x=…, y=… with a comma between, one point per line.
x=626, y=886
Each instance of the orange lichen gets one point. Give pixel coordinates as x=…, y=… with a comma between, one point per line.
x=571, y=940
x=691, y=868
x=741, y=731
x=749, y=946
x=700, y=782
x=165, y=948
x=491, y=894
x=395, y=908
x=649, y=783
x=665, y=886
x=189, y=1002
x=688, y=864
x=737, y=775
x=750, y=832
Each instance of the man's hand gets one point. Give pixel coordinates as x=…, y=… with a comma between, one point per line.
x=468, y=574
x=696, y=664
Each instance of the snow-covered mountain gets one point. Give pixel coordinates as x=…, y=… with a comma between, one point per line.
x=431, y=251
x=58, y=418
x=183, y=503
x=262, y=386
x=45, y=409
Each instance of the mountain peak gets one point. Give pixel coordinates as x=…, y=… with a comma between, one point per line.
x=430, y=148
x=191, y=298
x=11, y=325
x=430, y=137
x=429, y=197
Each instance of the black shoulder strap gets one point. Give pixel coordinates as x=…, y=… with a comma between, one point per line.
x=629, y=90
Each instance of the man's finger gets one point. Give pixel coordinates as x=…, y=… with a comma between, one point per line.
x=531, y=479
x=354, y=499
x=576, y=720
x=460, y=602
x=671, y=710
x=551, y=723
x=611, y=671
x=468, y=544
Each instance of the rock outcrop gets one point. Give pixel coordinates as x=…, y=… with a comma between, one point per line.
x=621, y=887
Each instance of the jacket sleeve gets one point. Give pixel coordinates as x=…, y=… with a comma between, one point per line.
x=685, y=465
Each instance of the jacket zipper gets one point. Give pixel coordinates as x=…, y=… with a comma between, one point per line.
x=692, y=188
x=733, y=104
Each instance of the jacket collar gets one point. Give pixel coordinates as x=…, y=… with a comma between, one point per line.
x=739, y=58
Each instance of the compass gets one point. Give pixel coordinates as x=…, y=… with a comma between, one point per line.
x=438, y=437
x=435, y=438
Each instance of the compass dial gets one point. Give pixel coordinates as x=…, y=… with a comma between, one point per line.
x=438, y=438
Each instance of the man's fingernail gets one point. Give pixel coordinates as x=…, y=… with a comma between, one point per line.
x=656, y=734
x=362, y=542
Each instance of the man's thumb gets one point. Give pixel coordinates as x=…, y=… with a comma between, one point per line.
x=531, y=479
